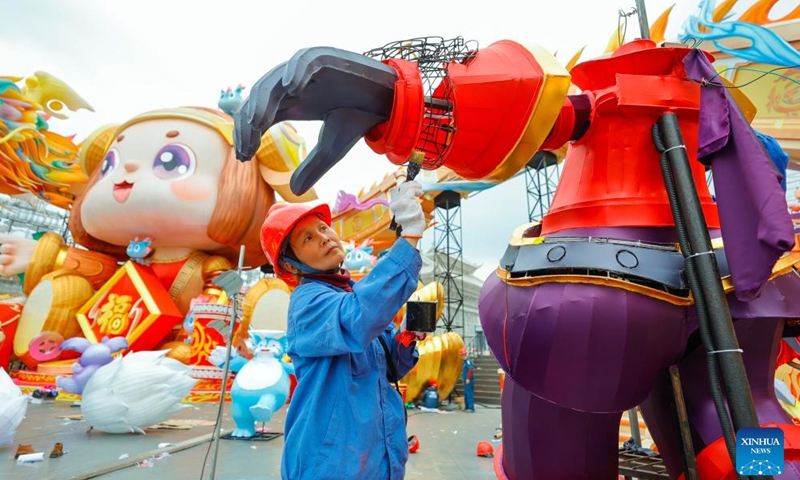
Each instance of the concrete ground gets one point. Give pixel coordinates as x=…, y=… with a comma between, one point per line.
x=447, y=447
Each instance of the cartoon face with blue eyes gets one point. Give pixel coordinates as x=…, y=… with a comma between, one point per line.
x=159, y=179
x=265, y=344
x=230, y=100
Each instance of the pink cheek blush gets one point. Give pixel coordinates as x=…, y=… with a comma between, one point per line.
x=192, y=190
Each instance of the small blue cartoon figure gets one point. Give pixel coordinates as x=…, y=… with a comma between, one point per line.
x=359, y=258
x=188, y=321
x=139, y=250
x=230, y=100
x=188, y=326
x=261, y=386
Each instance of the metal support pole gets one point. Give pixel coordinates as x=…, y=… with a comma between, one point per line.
x=541, y=179
x=689, y=459
x=448, y=266
x=641, y=13
x=218, y=423
x=633, y=418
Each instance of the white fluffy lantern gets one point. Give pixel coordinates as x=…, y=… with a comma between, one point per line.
x=13, y=405
x=135, y=391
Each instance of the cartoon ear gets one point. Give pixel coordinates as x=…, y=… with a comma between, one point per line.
x=117, y=343
x=368, y=249
x=77, y=344
x=221, y=93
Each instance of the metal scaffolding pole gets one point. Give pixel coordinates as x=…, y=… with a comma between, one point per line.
x=541, y=178
x=20, y=217
x=448, y=265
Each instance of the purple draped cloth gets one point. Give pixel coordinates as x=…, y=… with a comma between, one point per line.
x=753, y=214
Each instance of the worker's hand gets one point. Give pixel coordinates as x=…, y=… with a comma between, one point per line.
x=351, y=93
x=405, y=337
x=404, y=204
x=469, y=381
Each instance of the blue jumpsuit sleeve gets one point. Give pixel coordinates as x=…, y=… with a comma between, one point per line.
x=404, y=358
x=325, y=321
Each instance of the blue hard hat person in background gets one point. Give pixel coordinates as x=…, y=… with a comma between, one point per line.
x=467, y=376
x=430, y=398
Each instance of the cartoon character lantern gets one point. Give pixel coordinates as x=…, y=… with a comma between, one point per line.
x=262, y=384
x=167, y=175
x=135, y=391
x=577, y=297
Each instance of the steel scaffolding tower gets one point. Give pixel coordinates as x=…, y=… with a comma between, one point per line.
x=448, y=266
x=19, y=217
x=541, y=178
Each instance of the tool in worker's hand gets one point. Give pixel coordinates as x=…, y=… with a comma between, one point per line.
x=413, y=168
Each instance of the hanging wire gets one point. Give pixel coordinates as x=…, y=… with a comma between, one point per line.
x=696, y=42
x=623, y=15
x=709, y=82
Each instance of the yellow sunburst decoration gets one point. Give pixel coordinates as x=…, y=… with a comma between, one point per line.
x=658, y=27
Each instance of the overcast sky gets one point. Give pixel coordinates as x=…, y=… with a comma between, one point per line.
x=129, y=56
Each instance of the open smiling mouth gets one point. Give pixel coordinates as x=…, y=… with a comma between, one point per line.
x=122, y=191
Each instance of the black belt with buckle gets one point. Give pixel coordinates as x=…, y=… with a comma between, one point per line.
x=653, y=265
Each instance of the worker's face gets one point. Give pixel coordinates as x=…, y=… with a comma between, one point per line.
x=316, y=244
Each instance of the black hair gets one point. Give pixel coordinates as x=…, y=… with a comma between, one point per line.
x=287, y=251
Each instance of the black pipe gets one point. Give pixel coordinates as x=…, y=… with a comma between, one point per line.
x=726, y=346
x=700, y=306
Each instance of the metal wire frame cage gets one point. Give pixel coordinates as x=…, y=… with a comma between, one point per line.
x=433, y=56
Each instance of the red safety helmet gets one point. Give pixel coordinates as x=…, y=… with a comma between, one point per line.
x=485, y=450
x=413, y=444
x=281, y=220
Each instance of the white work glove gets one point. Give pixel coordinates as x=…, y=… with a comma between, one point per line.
x=404, y=204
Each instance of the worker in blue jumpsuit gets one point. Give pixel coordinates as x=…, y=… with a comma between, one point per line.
x=468, y=377
x=346, y=420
